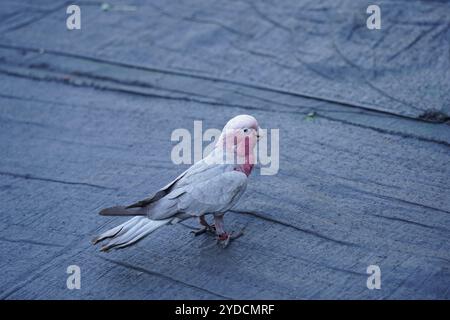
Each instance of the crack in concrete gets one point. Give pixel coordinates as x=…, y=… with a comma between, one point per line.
x=30, y=177
x=161, y=275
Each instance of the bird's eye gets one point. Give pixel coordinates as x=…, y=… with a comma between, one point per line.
x=245, y=130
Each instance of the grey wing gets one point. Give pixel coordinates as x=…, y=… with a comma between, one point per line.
x=199, y=171
x=218, y=193
x=159, y=194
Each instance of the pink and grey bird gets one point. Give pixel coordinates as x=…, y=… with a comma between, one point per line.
x=212, y=185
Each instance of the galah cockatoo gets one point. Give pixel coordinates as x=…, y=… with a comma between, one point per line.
x=212, y=185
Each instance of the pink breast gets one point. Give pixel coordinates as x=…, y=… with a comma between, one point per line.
x=245, y=168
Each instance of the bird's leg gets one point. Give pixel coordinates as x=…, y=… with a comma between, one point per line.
x=206, y=227
x=223, y=238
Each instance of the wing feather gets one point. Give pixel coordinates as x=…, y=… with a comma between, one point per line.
x=203, y=188
x=214, y=195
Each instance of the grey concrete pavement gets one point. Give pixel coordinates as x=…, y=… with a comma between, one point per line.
x=86, y=118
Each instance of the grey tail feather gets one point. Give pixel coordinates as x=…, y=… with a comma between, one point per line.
x=129, y=232
x=123, y=211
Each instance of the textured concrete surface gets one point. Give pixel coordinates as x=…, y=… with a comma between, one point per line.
x=86, y=118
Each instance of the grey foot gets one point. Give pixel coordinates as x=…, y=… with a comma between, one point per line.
x=224, y=239
x=202, y=230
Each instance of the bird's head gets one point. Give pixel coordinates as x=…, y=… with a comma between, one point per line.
x=240, y=135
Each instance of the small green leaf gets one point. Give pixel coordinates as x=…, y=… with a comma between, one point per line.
x=310, y=116
x=106, y=6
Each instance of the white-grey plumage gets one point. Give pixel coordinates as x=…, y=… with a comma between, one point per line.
x=210, y=186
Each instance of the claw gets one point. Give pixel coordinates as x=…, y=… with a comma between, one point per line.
x=235, y=235
x=223, y=240
x=209, y=228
